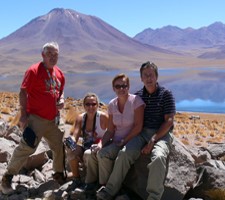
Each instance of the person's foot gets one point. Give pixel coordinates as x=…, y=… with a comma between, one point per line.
x=90, y=188
x=76, y=182
x=6, y=185
x=101, y=194
x=123, y=197
x=59, y=178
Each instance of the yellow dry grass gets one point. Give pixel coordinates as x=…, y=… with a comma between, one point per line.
x=216, y=194
x=206, y=128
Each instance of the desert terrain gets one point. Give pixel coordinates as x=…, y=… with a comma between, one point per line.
x=193, y=129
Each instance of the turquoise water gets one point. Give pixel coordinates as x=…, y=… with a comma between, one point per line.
x=199, y=105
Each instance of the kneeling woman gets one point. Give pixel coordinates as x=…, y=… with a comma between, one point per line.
x=89, y=127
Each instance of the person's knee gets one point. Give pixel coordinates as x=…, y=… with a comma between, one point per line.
x=159, y=159
x=130, y=155
x=101, y=153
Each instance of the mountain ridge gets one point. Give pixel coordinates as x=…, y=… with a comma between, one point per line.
x=80, y=37
x=92, y=52
x=208, y=40
x=87, y=43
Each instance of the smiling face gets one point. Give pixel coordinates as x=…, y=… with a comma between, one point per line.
x=121, y=87
x=50, y=57
x=91, y=104
x=149, y=78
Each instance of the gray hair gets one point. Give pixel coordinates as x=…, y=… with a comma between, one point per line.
x=50, y=45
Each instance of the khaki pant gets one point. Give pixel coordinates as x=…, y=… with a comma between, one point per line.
x=91, y=164
x=99, y=165
x=106, y=158
x=157, y=168
x=53, y=134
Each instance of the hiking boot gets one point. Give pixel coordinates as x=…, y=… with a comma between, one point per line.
x=123, y=197
x=59, y=178
x=90, y=188
x=76, y=183
x=6, y=186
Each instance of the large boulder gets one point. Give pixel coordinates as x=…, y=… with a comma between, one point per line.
x=209, y=178
x=180, y=177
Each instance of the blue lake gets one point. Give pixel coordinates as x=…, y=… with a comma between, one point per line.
x=204, y=91
x=196, y=93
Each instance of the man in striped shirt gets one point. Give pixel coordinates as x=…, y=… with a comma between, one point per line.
x=154, y=140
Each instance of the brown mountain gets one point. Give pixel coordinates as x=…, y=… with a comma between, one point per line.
x=92, y=52
x=86, y=43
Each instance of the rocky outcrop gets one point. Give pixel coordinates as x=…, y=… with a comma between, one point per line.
x=180, y=177
x=187, y=176
x=195, y=165
x=191, y=172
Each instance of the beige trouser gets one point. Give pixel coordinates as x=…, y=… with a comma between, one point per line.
x=53, y=134
x=91, y=163
x=99, y=165
x=157, y=167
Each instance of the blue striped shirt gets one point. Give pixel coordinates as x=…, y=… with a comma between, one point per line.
x=158, y=104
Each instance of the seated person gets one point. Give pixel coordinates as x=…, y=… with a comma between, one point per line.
x=126, y=113
x=89, y=127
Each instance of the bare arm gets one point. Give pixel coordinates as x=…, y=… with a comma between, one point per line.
x=110, y=131
x=104, y=120
x=77, y=128
x=162, y=131
x=23, y=108
x=60, y=103
x=165, y=127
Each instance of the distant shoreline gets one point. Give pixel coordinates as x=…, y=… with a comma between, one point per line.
x=203, y=115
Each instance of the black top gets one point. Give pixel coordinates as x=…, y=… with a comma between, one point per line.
x=158, y=104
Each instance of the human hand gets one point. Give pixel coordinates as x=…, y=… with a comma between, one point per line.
x=95, y=148
x=120, y=143
x=147, y=148
x=23, y=121
x=60, y=106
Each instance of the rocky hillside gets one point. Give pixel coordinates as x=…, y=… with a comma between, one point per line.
x=195, y=170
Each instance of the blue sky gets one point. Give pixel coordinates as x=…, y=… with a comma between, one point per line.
x=128, y=16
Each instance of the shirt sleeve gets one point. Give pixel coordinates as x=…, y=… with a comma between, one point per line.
x=169, y=102
x=138, y=102
x=28, y=80
x=110, y=108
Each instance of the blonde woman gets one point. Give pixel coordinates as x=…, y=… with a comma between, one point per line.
x=90, y=127
x=126, y=113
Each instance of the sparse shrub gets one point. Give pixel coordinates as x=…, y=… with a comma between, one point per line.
x=212, y=134
x=185, y=141
x=198, y=143
x=10, y=118
x=15, y=120
x=6, y=110
x=71, y=116
x=216, y=194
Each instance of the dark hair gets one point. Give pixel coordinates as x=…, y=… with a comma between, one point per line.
x=149, y=64
x=121, y=76
x=91, y=94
